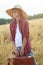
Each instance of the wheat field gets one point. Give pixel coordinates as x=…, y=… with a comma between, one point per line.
x=36, y=37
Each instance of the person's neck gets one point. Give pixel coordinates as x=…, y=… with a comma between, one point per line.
x=17, y=20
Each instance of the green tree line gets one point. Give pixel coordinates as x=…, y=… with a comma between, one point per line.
x=35, y=16
x=4, y=21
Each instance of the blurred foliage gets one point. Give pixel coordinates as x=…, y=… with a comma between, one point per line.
x=35, y=16
x=4, y=21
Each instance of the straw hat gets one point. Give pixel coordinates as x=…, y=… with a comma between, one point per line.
x=16, y=7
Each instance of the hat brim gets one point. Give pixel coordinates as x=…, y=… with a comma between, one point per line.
x=10, y=12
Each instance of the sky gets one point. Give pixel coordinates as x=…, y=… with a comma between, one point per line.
x=31, y=7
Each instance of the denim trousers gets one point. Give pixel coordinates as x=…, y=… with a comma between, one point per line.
x=30, y=54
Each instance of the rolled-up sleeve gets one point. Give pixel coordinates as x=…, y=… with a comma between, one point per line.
x=26, y=31
x=11, y=39
x=11, y=32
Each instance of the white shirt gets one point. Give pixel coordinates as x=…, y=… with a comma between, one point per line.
x=18, y=37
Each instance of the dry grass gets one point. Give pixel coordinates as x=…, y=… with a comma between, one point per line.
x=36, y=36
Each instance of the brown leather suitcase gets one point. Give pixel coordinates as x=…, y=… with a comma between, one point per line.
x=20, y=61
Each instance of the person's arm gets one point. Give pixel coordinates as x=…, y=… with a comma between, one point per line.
x=12, y=34
x=26, y=37
x=14, y=48
x=13, y=42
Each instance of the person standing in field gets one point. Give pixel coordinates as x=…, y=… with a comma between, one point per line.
x=19, y=32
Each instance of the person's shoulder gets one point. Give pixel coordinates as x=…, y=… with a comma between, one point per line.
x=12, y=22
x=24, y=20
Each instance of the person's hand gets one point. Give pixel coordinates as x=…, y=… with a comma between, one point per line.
x=15, y=51
x=22, y=52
